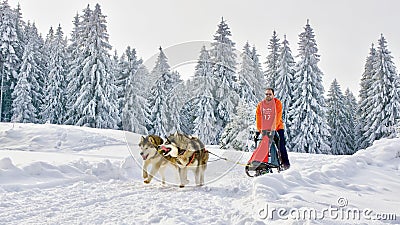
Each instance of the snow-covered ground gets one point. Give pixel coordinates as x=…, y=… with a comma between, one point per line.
x=52, y=174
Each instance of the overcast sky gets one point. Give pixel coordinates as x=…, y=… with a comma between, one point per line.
x=344, y=29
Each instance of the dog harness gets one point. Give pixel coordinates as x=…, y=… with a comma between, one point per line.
x=191, y=160
x=181, y=151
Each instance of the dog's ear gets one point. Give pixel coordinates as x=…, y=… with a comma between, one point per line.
x=167, y=141
x=142, y=139
x=151, y=139
x=158, y=140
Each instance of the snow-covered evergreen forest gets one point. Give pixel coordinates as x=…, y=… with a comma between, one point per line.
x=77, y=79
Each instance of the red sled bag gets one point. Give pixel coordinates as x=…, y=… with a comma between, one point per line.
x=265, y=157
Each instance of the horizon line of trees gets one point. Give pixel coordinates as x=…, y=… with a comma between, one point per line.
x=77, y=81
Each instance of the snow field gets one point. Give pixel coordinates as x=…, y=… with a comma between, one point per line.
x=53, y=174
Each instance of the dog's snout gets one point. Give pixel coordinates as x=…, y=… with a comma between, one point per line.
x=141, y=153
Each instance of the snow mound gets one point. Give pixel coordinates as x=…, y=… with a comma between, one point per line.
x=46, y=155
x=6, y=163
x=42, y=174
x=322, y=181
x=52, y=138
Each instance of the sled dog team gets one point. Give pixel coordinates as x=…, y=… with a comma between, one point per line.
x=181, y=151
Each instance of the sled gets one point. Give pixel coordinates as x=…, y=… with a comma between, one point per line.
x=265, y=157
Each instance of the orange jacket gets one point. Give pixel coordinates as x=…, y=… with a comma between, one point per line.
x=276, y=123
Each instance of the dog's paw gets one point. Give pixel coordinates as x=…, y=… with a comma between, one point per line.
x=146, y=181
x=205, y=188
x=182, y=186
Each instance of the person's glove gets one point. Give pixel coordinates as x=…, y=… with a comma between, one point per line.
x=269, y=133
x=256, y=135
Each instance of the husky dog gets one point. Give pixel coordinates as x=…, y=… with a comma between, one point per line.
x=189, y=152
x=151, y=156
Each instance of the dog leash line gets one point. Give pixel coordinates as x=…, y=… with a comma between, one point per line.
x=240, y=164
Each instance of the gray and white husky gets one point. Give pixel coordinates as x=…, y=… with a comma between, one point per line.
x=190, y=153
x=151, y=156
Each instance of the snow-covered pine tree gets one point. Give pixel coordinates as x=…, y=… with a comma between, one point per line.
x=161, y=119
x=20, y=27
x=187, y=112
x=9, y=58
x=48, y=42
x=336, y=116
x=54, y=109
x=126, y=67
x=115, y=65
x=205, y=102
x=76, y=57
x=22, y=107
x=271, y=73
x=365, y=104
x=204, y=66
x=46, y=58
x=96, y=103
x=236, y=132
x=160, y=68
x=198, y=114
x=135, y=114
x=384, y=96
x=20, y=31
x=176, y=100
x=73, y=48
x=39, y=60
x=27, y=96
x=247, y=79
x=350, y=104
x=251, y=82
x=259, y=74
x=33, y=71
x=205, y=120
x=308, y=125
x=223, y=57
x=284, y=82
x=227, y=100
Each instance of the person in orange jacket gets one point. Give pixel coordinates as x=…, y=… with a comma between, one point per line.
x=269, y=118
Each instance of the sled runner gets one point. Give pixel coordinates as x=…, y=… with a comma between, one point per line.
x=265, y=157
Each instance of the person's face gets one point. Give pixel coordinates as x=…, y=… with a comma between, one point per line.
x=269, y=95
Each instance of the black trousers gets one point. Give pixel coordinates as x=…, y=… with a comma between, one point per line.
x=282, y=147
